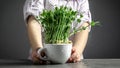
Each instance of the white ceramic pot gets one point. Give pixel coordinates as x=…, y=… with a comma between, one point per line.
x=56, y=53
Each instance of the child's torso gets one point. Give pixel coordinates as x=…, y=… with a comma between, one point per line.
x=74, y=4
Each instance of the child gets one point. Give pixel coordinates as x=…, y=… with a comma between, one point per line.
x=33, y=8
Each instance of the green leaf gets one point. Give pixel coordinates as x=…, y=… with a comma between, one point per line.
x=81, y=15
x=94, y=23
x=78, y=20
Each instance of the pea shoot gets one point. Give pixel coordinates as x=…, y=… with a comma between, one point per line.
x=57, y=24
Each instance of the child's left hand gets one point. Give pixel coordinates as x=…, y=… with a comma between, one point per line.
x=75, y=55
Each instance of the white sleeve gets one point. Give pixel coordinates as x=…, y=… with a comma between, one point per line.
x=85, y=11
x=32, y=7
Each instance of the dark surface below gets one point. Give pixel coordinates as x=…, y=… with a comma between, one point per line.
x=86, y=63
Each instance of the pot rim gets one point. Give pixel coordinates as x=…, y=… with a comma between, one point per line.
x=59, y=44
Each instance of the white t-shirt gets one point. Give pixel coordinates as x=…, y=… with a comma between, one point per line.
x=35, y=7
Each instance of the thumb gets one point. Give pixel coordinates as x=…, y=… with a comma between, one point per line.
x=73, y=50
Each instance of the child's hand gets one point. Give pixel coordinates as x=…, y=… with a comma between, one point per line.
x=36, y=59
x=75, y=55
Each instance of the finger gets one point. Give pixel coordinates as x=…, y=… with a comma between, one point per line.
x=73, y=50
x=35, y=59
x=69, y=60
x=78, y=60
x=73, y=60
x=75, y=57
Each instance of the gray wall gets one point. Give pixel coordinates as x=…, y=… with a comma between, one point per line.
x=104, y=41
x=13, y=35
